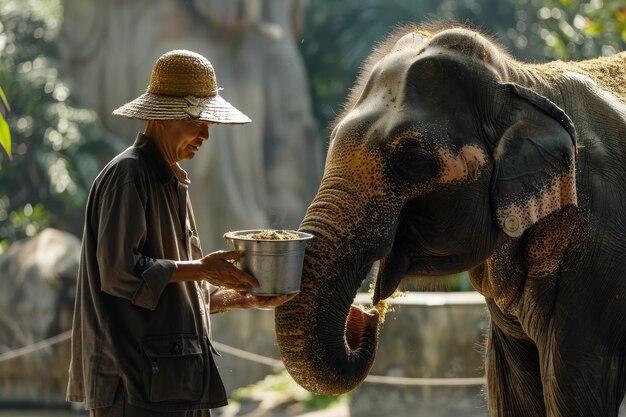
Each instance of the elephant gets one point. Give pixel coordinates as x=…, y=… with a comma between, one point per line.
x=452, y=156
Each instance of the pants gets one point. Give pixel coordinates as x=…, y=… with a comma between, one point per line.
x=121, y=408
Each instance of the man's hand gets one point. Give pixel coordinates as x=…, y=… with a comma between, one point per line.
x=217, y=269
x=224, y=300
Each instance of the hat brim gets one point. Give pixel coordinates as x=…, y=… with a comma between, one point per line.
x=151, y=106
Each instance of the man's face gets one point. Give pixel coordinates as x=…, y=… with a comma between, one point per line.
x=184, y=137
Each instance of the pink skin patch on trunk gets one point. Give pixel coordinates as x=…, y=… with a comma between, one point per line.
x=465, y=165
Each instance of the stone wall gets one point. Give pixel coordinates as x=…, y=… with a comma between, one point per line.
x=37, y=281
x=428, y=335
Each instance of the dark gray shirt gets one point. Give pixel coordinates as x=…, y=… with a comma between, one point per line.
x=130, y=325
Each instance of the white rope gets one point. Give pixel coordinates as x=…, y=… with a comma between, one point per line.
x=275, y=363
x=426, y=382
x=372, y=379
x=249, y=356
x=42, y=344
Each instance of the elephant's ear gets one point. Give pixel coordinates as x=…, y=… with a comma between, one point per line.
x=534, y=173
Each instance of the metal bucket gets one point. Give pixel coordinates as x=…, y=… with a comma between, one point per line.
x=276, y=264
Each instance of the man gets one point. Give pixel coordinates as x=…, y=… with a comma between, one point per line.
x=141, y=334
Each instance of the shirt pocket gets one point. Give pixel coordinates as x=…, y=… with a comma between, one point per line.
x=174, y=367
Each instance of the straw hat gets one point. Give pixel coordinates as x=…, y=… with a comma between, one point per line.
x=182, y=86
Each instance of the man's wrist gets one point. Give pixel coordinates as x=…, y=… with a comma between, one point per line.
x=186, y=271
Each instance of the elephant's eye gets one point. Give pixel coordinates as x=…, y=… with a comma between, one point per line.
x=413, y=164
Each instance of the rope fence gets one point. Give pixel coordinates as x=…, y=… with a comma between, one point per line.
x=275, y=363
x=42, y=344
x=249, y=356
x=426, y=382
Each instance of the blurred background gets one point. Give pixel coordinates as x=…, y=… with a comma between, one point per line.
x=288, y=64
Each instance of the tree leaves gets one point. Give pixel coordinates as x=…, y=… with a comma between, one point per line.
x=56, y=147
x=575, y=29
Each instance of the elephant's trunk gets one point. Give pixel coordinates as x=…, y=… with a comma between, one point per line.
x=327, y=345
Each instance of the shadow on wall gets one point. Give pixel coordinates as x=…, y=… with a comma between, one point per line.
x=246, y=177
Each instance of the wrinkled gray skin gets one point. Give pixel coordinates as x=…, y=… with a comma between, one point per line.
x=451, y=156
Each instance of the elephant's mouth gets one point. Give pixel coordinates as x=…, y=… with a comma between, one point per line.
x=411, y=256
x=387, y=279
x=395, y=267
x=396, y=263
x=391, y=269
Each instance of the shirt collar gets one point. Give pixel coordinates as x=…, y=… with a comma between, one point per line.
x=165, y=172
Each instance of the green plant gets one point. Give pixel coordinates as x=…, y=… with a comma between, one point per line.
x=285, y=389
x=574, y=29
x=340, y=35
x=58, y=147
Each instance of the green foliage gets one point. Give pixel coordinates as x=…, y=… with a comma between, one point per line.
x=574, y=29
x=285, y=389
x=58, y=148
x=340, y=35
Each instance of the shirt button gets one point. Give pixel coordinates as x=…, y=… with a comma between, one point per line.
x=176, y=348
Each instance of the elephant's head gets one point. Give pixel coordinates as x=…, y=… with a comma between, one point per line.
x=436, y=161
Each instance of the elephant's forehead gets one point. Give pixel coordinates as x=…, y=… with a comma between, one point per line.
x=388, y=76
x=377, y=113
x=404, y=53
x=413, y=42
x=381, y=105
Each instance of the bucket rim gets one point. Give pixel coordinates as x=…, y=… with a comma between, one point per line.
x=236, y=235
